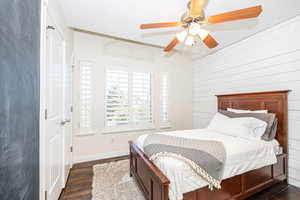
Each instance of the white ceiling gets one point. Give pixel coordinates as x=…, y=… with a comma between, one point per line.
x=121, y=18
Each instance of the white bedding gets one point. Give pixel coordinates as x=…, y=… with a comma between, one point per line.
x=242, y=155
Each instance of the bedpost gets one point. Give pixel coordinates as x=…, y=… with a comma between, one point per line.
x=152, y=182
x=130, y=161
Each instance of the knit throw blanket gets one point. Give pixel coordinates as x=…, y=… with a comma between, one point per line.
x=205, y=157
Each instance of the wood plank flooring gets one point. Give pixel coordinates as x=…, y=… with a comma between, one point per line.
x=80, y=180
x=79, y=185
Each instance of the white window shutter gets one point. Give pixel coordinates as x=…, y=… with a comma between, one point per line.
x=116, y=98
x=128, y=100
x=85, y=97
x=164, y=101
x=141, y=98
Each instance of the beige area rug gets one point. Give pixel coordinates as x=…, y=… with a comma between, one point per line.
x=111, y=181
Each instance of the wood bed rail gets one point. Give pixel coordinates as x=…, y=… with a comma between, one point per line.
x=153, y=183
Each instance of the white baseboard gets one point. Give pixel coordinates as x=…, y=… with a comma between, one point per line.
x=79, y=159
x=294, y=182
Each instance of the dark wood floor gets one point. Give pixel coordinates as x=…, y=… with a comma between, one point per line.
x=79, y=185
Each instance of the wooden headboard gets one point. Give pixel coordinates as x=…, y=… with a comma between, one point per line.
x=274, y=101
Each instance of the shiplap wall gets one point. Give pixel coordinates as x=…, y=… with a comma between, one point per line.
x=267, y=61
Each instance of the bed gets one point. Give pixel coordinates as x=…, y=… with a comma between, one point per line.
x=156, y=186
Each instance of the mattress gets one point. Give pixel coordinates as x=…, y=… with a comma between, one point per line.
x=243, y=155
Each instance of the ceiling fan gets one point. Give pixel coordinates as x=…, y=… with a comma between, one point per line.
x=193, y=20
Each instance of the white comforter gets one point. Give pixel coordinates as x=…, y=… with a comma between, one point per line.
x=242, y=155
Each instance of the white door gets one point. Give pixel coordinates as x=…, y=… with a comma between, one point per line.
x=54, y=114
x=67, y=121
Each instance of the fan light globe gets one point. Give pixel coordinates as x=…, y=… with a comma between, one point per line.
x=182, y=35
x=194, y=28
x=189, y=40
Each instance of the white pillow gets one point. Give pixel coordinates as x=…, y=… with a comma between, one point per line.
x=255, y=126
x=246, y=111
x=223, y=124
x=244, y=127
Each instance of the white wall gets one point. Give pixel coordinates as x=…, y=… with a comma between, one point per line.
x=105, y=52
x=267, y=61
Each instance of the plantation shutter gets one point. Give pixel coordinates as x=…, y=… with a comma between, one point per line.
x=164, y=101
x=141, y=98
x=116, y=98
x=85, y=97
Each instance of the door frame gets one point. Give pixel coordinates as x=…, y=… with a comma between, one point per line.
x=45, y=12
x=67, y=69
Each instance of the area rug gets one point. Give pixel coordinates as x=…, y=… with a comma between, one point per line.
x=111, y=181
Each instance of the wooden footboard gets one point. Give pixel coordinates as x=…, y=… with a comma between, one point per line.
x=153, y=183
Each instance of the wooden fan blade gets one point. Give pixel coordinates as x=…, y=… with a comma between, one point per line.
x=160, y=25
x=197, y=7
x=210, y=41
x=172, y=44
x=236, y=15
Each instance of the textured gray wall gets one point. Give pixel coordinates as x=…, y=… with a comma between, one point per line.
x=19, y=99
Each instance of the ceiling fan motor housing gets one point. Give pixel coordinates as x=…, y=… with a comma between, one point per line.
x=187, y=18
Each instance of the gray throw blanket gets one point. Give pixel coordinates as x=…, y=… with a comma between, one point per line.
x=205, y=157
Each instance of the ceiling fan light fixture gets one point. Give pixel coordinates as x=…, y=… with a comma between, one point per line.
x=193, y=20
x=182, y=35
x=189, y=40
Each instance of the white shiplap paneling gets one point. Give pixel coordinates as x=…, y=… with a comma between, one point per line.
x=267, y=61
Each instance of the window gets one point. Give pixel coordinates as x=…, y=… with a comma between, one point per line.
x=164, y=101
x=85, y=97
x=128, y=99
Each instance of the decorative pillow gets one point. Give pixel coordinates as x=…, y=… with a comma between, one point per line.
x=223, y=124
x=255, y=126
x=245, y=127
x=269, y=118
x=272, y=134
x=246, y=111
